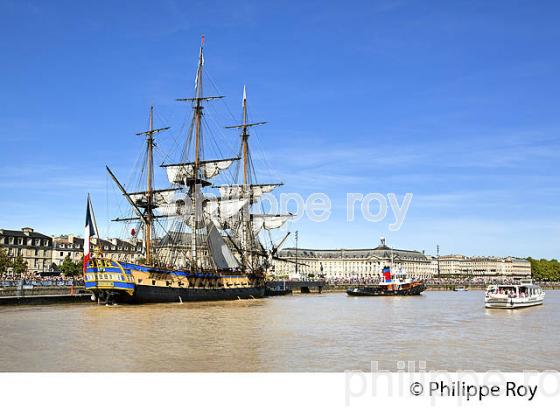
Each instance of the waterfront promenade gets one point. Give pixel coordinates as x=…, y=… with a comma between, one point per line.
x=42, y=291
x=70, y=291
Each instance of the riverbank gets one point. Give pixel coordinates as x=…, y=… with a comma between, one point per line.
x=439, y=288
x=78, y=294
x=44, y=299
x=41, y=290
x=434, y=287
x=43, y=295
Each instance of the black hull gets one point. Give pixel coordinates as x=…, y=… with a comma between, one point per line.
x=157, y=294
x=277, y=292
x=383, y=291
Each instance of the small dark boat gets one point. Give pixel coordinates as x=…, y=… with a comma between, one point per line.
x=392, y=285
x=277, y=292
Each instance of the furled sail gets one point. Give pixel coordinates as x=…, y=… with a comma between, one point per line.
x=176, y=208
x=179, y=173
x=256, y=191
x=221, y=254
x=268, y=222
x=159, y=197
x=221, y=210
x=216, y=209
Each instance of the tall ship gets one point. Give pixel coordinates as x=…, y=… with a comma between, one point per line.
x=200, y=238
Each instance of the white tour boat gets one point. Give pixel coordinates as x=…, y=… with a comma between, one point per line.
x=524, y=294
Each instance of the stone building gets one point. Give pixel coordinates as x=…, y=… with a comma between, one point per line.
x=353, y=263
x=67, y=246
x=128, y=251
x=35, y=248
x=73, y=247
x=459, y=265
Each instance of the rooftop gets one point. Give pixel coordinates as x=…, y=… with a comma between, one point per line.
x=23, y=233
x=380, y=252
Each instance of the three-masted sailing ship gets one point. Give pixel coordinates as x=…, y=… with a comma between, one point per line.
x=212, y=250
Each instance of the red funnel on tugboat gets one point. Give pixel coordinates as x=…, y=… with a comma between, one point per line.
x=387, y=274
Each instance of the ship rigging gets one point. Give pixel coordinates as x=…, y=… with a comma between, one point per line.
x=224, y=250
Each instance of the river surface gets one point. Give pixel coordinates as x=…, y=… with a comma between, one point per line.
x=329, y=332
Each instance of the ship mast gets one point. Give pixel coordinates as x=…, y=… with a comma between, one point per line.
x=149, y=193
x=244, y=141
x=196, y=166
x=246, y=230
x=150, y=205
x=245, y=214
x=197, y=180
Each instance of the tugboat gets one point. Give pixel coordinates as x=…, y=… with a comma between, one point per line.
x=391, y=285
x=524, y=294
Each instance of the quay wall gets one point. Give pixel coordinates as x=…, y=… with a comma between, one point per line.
x=44, y=299
x=41, y=290
x=41, y=295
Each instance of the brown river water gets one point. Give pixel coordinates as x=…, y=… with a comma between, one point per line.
x=329, y=332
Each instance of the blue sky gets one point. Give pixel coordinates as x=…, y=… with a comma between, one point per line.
x=455, y=102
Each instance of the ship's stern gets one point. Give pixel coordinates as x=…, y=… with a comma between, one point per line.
x=108, y=281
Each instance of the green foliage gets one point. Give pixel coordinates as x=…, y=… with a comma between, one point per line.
x=69, y=268
x=544, y=269
x=5, y=262
x=19, y=265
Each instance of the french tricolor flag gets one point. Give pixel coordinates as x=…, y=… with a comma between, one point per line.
x=90, y=230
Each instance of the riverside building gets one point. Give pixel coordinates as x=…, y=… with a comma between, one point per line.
x=44, y=253
x=73, y=247
x=483, y=266
x=67, y=246
x=34, y=247
x=345, y=264
x=341, y=264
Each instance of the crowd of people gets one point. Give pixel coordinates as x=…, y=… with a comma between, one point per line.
x=34, y=279
x=436, y=281
x=475, y=280
x=355, y=280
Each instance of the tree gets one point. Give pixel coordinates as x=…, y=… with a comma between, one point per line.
x=5, y=262
x=19, y=265
x=69, y=268
x=543, y=269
